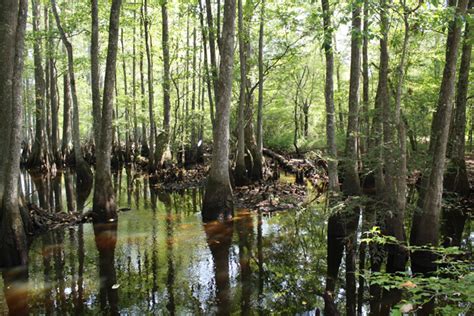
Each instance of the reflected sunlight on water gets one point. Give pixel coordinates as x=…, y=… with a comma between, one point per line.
x=159, y=259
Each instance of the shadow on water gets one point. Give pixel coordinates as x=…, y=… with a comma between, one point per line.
x=105, y=241
x=159, y=258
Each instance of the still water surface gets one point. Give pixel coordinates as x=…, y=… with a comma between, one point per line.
x=160, y=258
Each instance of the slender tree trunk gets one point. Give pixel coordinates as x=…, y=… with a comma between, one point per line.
x=66, y=118
x=95, y=69
x=249, y=128
x=340, y=121
x=217, y=202
x=38, y=153
x=144, y=143
x=258, y=161
x=84, y=174
x=162, y=141
x=364, y=127
x=425, y=226
x=193, y=140
x=329, y=98
x=104, y=197
x=127, y=105
x=13, y=224
x=240, y=173
x=134, y=84
x=212, y=49
x=456, y=179
x=351, y=184
x=53, y=82
x=210, y=86
x=397, y=255
x=151, y=162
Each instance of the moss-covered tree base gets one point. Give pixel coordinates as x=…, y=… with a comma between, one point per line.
x=218, y=201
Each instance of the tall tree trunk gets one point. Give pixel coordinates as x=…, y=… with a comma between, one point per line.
x=193, y=140
x=240, y=173
x=210, y=86
x=151, y=162
x=364, y=127
x=217, y=201
x=329, y=98
x=144, y=142
x=127, y=103
x=425, y=226
x=351, y=184
x=38, y=153
x=456, y=180
x=95, y=69
x=13, y=224
x=53, y=82
x=84, y=174
x=104, y=207
x=134, y=84
x=8, y=24
x=249, y=130
x=397, y=256
x=162, y=141
x=340, y=121
x=258, y=160
x=212, y=50
x=66, y=137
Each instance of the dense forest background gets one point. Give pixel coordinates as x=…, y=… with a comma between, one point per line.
x=367, y=102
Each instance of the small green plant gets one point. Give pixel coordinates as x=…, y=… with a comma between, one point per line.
x=451, y=286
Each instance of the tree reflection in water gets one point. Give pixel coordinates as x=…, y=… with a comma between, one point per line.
x=219, y=239
x=159, y=258
x=105, y=241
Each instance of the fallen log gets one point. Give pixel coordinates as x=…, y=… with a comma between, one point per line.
x=285, y=163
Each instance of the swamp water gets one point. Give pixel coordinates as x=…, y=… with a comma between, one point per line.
x=160, y=258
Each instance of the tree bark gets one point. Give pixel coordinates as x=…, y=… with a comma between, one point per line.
x=13, y=224
x=240, y=172
x=38, y=152
x=193, y=140
x=217, y=201
x=258, y=160
x=66, y=118
x=162, y=141
x=53, y=82
x=210, y=86
x=212, y=50
x=84, y=174
x=329, y=98
x=364, y=127
x=351, y=184
x=104, y=207
x=95, y=68
x=456, y=179
x=425, y=226
x=8, y=24
x=144, y=142
x=151, y=162
x=134, y=84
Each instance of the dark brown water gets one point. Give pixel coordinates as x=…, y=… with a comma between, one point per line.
x=160, y=258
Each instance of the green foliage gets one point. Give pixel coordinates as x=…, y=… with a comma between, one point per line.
x=451, y=286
